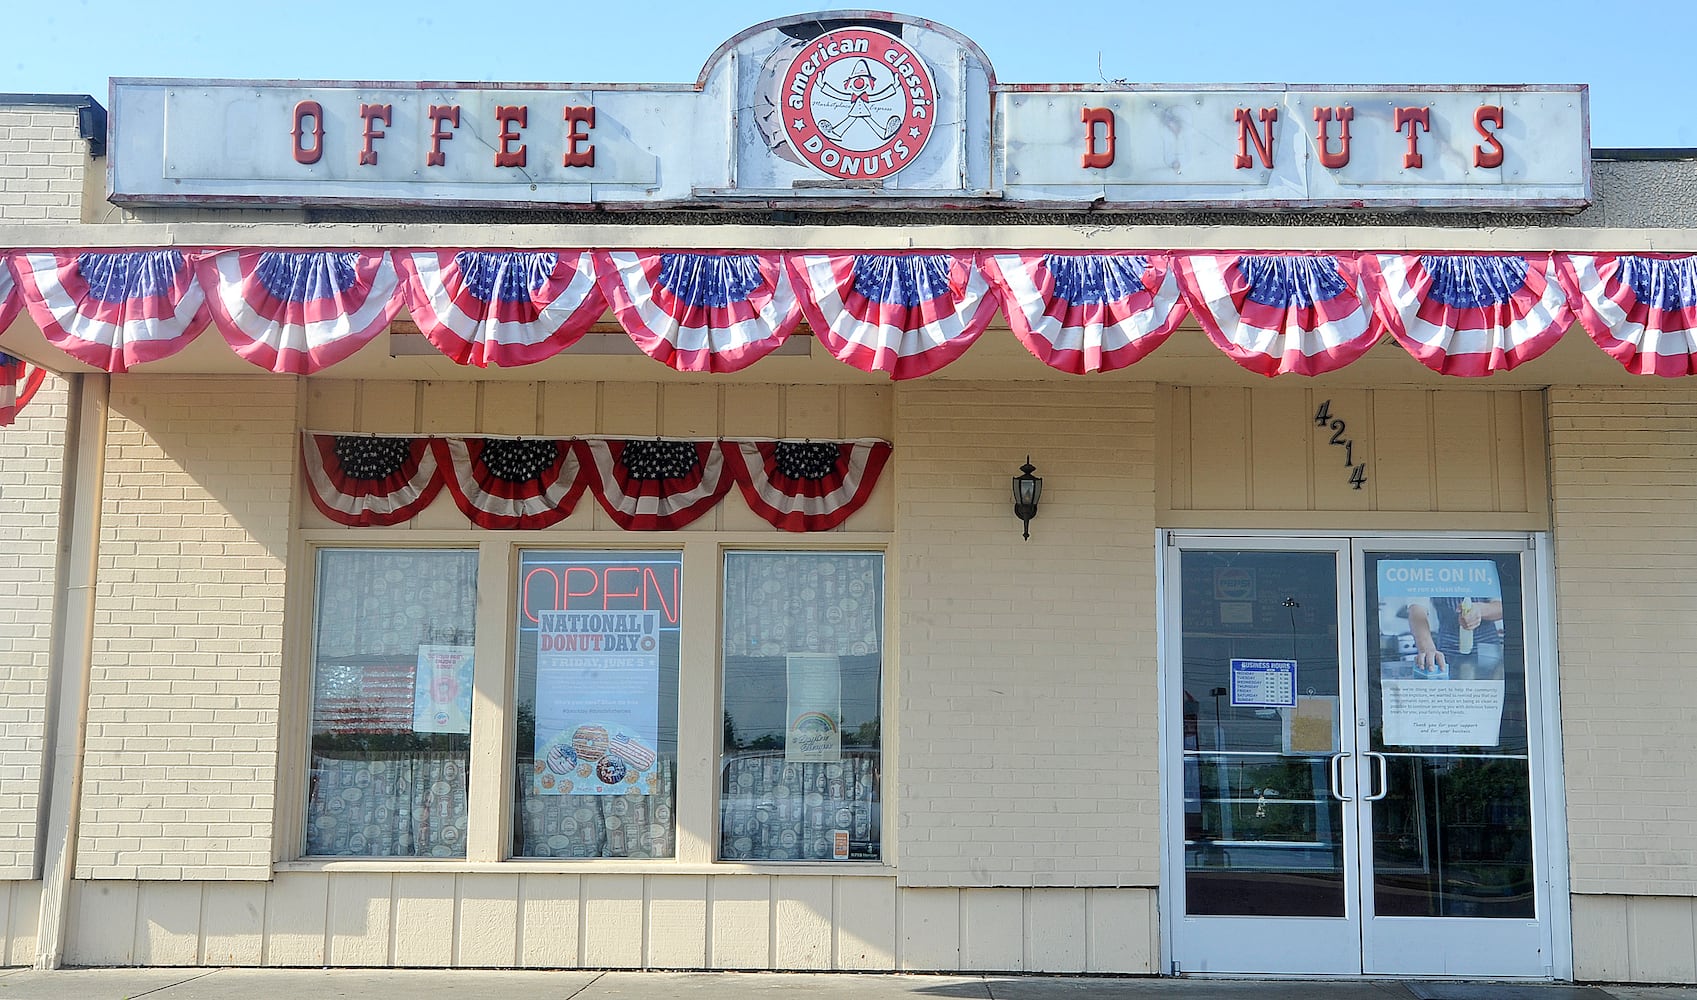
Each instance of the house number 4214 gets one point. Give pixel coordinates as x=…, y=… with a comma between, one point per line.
x=1323, y=419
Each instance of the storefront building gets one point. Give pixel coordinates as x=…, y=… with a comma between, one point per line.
x=567, y=527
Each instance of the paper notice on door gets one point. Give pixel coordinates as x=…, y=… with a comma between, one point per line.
x=1428, y=713
x=1312, y=726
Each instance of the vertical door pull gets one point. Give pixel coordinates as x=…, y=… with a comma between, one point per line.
x=1336, y=767
x=1384, y=778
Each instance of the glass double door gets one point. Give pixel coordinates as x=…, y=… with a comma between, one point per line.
x=1352, y=757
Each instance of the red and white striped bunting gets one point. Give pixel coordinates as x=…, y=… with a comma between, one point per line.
x=1470, y=314
x=806, y=485
x=512, y=484
x=701, y=312
x=502, y=308
x=1083, y=313
x=299, y=312
x=368, y=481
x=112, y=309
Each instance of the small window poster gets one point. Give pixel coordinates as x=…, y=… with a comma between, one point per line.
x=815, y=705
x=442, y=690
x=1263, y=683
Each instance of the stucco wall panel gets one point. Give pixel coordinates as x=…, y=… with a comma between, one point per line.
x=1623, y=466
x=183, y=702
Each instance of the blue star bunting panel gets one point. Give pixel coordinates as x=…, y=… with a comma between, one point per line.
x=903, y=314
x=1274, y=314
x=1470, y=314
x=806, y=485
x=503, y=308
x=112, y=310
x=300, y=312
x=1083, y=313
x=1642, y=310
x=701, y=312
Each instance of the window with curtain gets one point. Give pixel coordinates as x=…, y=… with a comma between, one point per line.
x=596, y=720
x=800, y=768
x=393, y=633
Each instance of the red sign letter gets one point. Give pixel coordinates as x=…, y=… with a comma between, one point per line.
x=373, y=113
x=576, y=157
x=1413, y=119
x=1093, y=117
x=506, y=117
x=1323, y=117
x=1246, y=132
x=1494, y=156
x=438, y=114
x=303, y=111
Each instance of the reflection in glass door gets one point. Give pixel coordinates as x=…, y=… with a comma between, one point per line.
x=1454, y=859
x=1268, y=845
x=1356, y=741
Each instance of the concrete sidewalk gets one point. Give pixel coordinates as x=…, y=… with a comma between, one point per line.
x=384, y=984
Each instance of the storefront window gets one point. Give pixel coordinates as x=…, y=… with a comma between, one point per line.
x=803, y=684
x=391, y=704
x=596, y=724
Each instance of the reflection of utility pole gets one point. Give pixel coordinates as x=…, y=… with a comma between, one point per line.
x=1222, y=769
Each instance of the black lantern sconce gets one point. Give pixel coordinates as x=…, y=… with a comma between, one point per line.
x=1027, y=490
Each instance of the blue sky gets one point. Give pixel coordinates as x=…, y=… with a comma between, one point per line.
x=1641, y=90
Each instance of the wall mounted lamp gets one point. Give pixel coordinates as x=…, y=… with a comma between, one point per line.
x=1027, y=490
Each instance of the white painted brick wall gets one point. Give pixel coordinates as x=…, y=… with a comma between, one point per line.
x=1027, y=689
x=1623, y=467
x=31, y=453
x=182, y=725
x=42, y=162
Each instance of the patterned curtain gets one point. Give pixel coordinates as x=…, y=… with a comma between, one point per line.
x=777, y=810
x=803, y=603
x=600, y=826
x=388, y=602
x=387, y=804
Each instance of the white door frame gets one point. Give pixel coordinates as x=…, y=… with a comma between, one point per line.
x=1549, y=815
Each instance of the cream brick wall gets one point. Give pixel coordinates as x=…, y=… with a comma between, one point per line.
x=1624, y=487
x=1027, y=687
x=31, y=453
x=183, y=702
x=42, y=163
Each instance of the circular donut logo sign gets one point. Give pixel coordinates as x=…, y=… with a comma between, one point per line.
x=858, y=103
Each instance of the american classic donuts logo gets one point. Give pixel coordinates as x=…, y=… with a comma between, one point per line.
x=859, y=103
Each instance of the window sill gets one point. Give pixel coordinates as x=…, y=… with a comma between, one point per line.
x=587, y=866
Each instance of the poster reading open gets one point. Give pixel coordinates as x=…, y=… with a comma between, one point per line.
x=597, y=701
x=1446, y=689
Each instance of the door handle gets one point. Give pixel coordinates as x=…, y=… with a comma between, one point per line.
x=1336, y=771
x=1384, y=778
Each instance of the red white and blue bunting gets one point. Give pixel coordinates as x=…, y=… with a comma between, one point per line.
x=901, y=314
x=806, y=485
x=652, y=484
x=1471, y=314
x=367, y=481
x=517, y=484
x=1278, y=314
x=904, y=314
x=19, y=382
x=701, y=312
x=112, y=309
x=1641, y=310
x=299, y=312
x=1083, y=313
x=502, y=308
x=643, y=484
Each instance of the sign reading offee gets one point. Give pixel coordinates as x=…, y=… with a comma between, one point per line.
x=857, y=110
